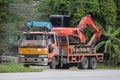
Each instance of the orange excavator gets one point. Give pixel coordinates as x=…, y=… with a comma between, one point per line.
x=86, y=21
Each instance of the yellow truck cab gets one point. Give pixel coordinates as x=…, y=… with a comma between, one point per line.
x=37, y=47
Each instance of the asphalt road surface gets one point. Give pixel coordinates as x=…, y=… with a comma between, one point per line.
x=64, y=75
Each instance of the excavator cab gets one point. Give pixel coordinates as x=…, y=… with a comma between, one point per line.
x=60, y=20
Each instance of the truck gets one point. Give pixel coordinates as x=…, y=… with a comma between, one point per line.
x=67, y=45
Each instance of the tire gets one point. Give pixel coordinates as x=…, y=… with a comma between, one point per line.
x=66, y=66
x=60, y=63
x=92, y=63
x=26, y=65
x=59, y=66
x=52, y=64
x=83, y=64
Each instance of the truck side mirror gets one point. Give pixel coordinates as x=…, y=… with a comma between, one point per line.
x=49, y=42
x=18, y=37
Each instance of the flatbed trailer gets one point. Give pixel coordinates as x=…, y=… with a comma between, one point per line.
x=80, y=55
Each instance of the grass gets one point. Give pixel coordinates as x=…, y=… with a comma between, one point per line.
x=16, y=68
x=103, y=66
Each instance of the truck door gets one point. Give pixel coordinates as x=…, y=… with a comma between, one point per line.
x=64, y=44
x=51, y=41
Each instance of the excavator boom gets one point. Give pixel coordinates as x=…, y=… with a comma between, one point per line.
x=87, y=21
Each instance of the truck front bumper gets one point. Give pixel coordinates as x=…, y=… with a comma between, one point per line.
x=33, y=61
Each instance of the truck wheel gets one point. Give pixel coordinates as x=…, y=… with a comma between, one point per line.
x=66, y=66
x=92, y=63
x=52, y=64
x=60, y=64
x=84, y=64
x=26, y=65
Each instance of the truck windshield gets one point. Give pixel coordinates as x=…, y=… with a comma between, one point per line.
x=33, y=40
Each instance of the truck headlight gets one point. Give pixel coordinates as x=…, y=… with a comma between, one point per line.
x=21, y=56
x=39, y=49
x=42, y=55
x=20, y=51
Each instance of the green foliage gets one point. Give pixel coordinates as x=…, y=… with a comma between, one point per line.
x=112, y=43
x=108, y=11
x=103, y=66
x=20, y=1
x=45, y=8
x=3, y=10
x=13, y=16
x=3, y=17
x=92, y=6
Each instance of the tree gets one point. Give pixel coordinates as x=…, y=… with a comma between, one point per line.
x=13, y=16
x=117, y=2
x=111, y=43
x=3, y=10
x=20, y=1
x=108, y=11
x=3, y=17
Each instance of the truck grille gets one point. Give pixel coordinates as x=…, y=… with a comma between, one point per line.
x=31, y=56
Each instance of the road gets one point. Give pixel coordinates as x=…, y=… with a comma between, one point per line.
x=64, y=75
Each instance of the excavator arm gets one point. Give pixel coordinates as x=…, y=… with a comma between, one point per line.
x=87, y=21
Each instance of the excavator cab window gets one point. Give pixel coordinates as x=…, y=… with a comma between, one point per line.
x=75, y=32
x=63, y=39
x=60, y=20
x=73, y=40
